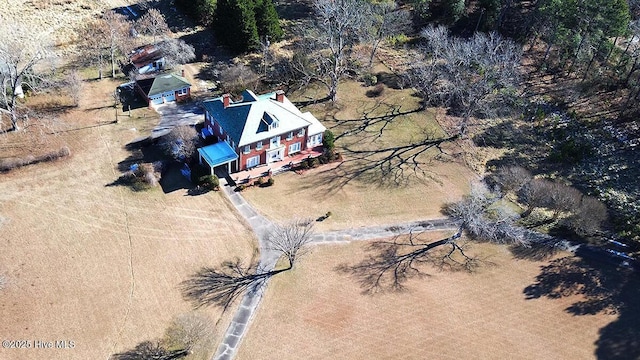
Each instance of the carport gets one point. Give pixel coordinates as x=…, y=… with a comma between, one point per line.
x=217, y=154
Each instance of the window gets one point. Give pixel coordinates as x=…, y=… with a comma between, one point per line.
x=259, y=145
x=290, y=135
x=182, y=92
x=221, y=131
x=247, y=149
x=253, y=161
x=301, y=133
x=294, y=148
x=275, y=142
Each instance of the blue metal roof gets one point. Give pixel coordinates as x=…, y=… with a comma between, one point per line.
x=217, y=154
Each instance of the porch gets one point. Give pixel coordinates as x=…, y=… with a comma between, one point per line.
x=276, y=167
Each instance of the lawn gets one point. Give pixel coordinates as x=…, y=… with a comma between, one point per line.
x=359, y=198
x=100, y=265
x=317, y=312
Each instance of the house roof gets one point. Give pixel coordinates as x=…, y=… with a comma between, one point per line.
x=162, y=83
x=145, y=55
x=217, y=154
x=257, y=118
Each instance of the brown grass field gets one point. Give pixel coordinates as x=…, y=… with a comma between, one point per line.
x=316, y=312
x=369, y=199
x=100, y=265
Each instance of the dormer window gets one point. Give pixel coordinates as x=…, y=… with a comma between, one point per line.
x=269, y=122
x=259, y=145
x=247, y=149
x=301, y=133
x=290, y=135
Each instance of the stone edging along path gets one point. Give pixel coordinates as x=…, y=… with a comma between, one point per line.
x=228, y=348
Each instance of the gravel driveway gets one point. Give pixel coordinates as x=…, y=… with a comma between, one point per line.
x=173, y=114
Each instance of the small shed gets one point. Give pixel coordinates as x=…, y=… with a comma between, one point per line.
x=217, y=154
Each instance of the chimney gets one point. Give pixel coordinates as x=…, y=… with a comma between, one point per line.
x=280, y=96
x=225, y=100
x=182, y=73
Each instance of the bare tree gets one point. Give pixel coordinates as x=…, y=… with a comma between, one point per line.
x=480, y=217
x=117, y=36
x=382, y=20
x=176, y=52
x=193, y=331
x=20, y=51
x=221, y=286
x=290, y=239
x=73, y=83
x=93, y=43
x=180, y=143
x=152, y=23
x=472, y=76
x=335, y=32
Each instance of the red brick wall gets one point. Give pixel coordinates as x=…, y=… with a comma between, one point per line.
x=265, y=146
x=180, y=98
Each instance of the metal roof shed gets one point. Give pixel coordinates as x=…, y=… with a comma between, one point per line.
x=217, y=154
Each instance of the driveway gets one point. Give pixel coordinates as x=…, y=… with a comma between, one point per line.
x=173, y=114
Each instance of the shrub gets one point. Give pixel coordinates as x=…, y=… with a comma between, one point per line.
x=328, y=140
x=313, y=162
x=210, y=182
x=398, y=40
x=240, y=187
x=270, y=182
x=369, y=79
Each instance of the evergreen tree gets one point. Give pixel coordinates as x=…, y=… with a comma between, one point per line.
x=236, y=26
x=267, y=20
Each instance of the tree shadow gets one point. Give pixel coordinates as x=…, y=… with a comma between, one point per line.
x=605, y=289
x=151, y=350
x=390, y=264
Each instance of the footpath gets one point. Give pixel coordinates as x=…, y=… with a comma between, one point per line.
x=243, y=316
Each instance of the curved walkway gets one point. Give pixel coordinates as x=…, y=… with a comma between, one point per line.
x=268, y=259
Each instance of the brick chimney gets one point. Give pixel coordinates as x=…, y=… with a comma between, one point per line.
x=225, y=100
x=280, y=96
x=182, y=73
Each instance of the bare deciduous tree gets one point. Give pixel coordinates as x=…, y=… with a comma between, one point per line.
x=152, y=23
x=180, y=143
x=73, y=83
x=176, y=52
x=480, y=217
x=21, y=49
x=93, y=43
x=193, y=331
x=221, y=286
x=118, y=30
x=290, y=239
x=382, y=20
x=336, y=30
x=472, y=76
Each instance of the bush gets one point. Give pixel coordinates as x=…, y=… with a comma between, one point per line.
x=313, y=162
x=270, y=182
x=240, y=187
x=369, y=79
x=398, y=40
x=328, y=140
x=210, y=182
x=142, y=178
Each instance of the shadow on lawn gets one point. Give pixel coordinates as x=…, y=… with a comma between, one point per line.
x=605, y=289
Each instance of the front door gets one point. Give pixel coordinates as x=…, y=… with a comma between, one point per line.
x=275, y=155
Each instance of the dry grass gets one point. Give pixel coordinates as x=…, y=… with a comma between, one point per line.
x=370, y=198
x=101, y=265
x=315, y=312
